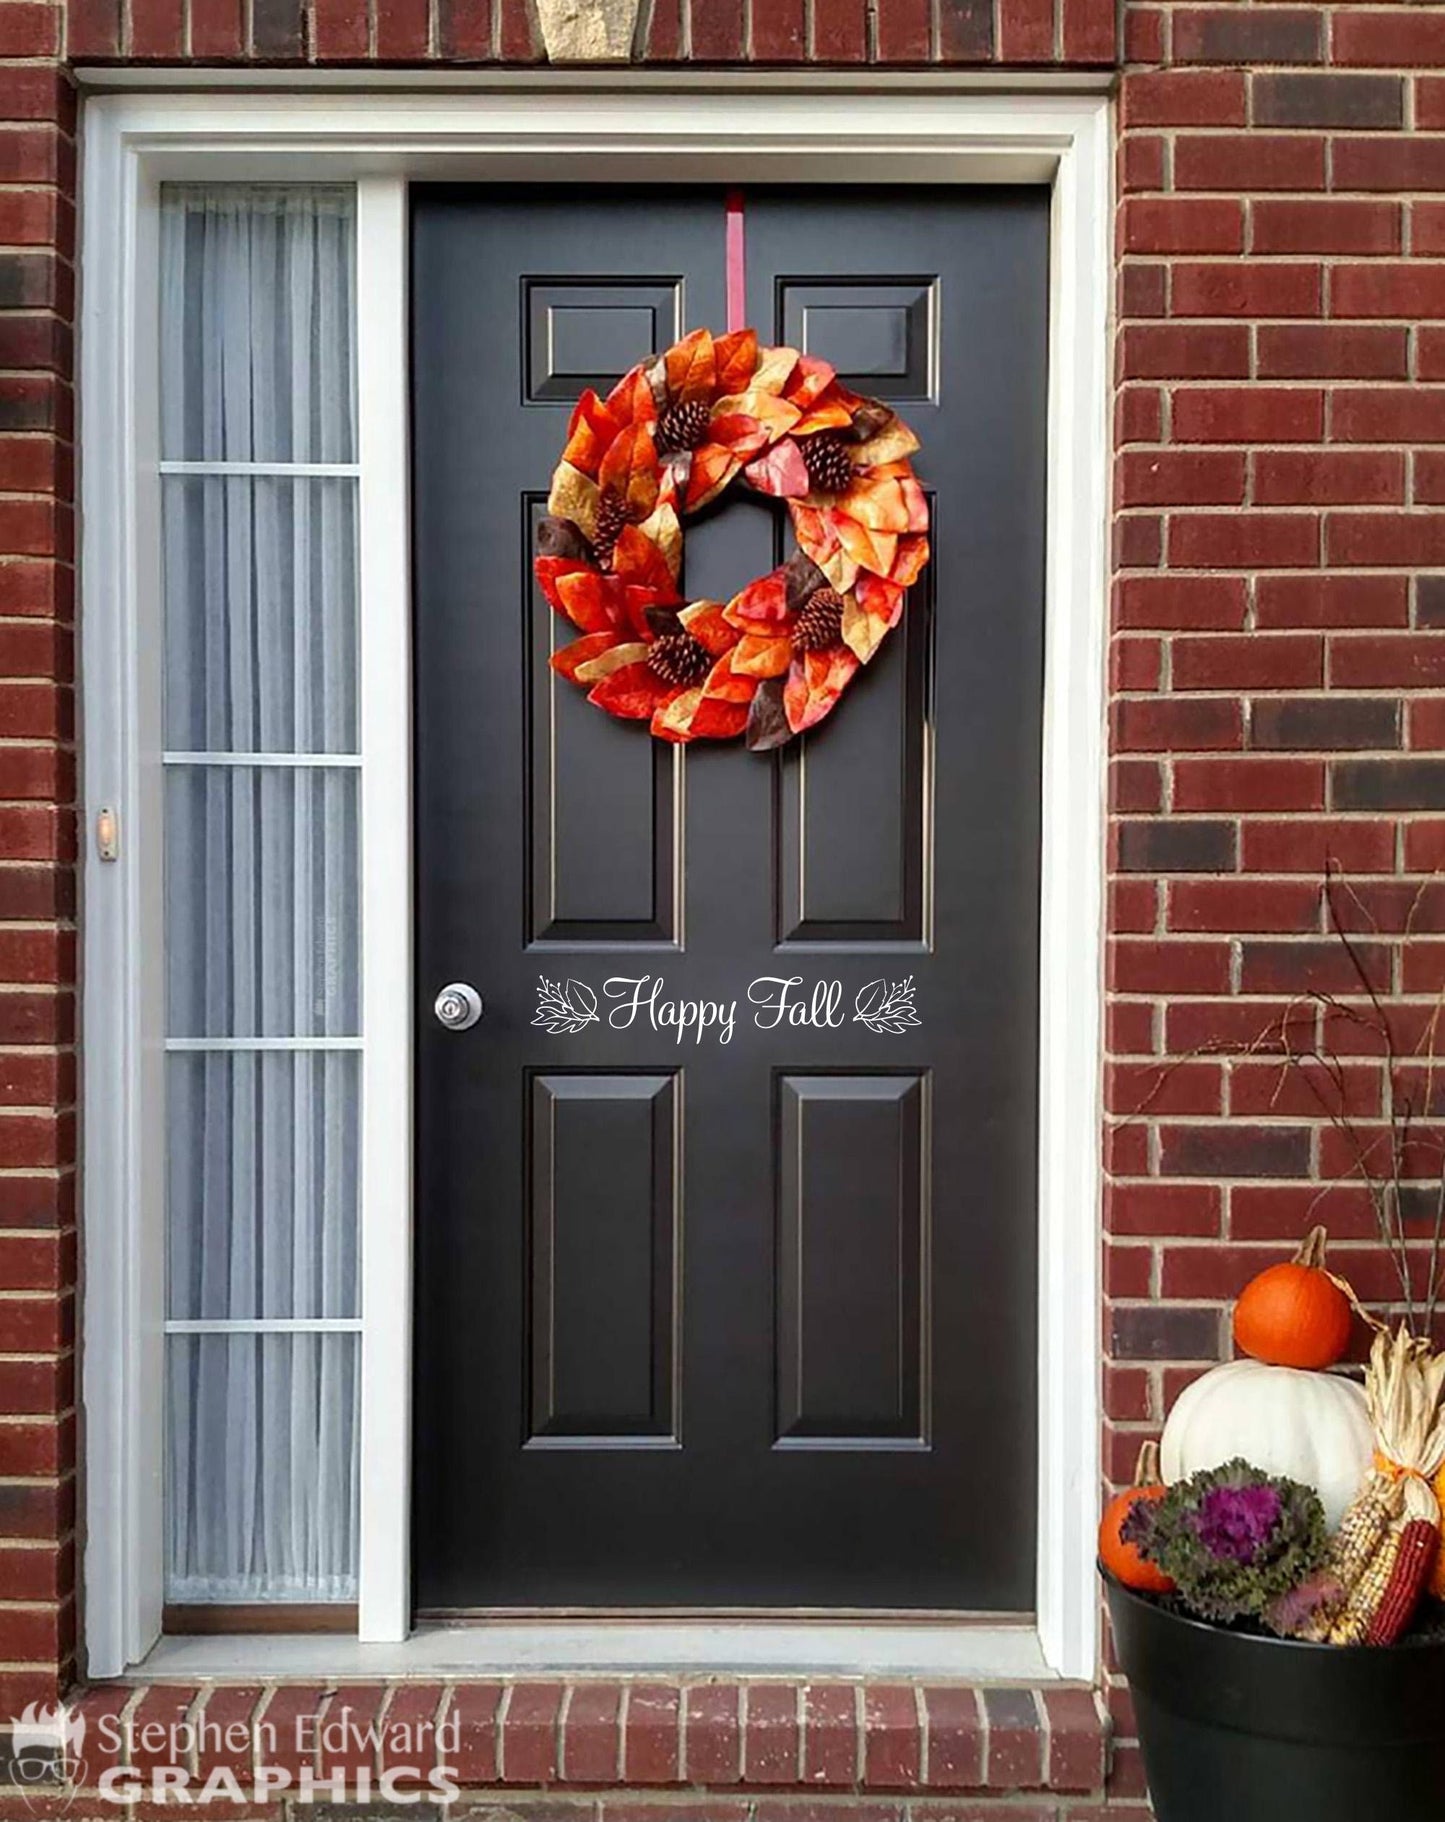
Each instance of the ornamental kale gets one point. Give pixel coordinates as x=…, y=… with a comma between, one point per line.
x=1295, y=1614
x=1235, y=1523
x=1231, y=1539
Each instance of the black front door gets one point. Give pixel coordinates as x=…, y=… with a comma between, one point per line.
x=751, y=1323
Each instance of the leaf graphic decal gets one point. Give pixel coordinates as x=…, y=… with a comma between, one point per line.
x=564, y=1009
x=886, y=1006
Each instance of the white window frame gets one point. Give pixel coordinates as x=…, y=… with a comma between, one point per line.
x=755, y=129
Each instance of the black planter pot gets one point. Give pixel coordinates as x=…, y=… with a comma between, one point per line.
x=1240, y=1729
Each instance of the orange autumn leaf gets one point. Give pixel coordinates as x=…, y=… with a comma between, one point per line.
x=705, y=621
x=882, y=600
x=878, y=504
x=762, y=603
x=691, y=368
x=663, y=529
x=574, y=495
x=635, y=604
x=637, y=560
x=630, y=469
x=630, y=400
x=581, y=651
x=830, y=413
x=724, y=684
x=590, y=431
x=742, y=436
x=614, y=658
x=774, y=369
x=716, y=720
x=774, y=416
x=818, y=539
x=588, y=600
x=891, y=444
x=549, y=572
x=811, y=529
x=814, y=685
x=863, y=632
x=780, y=472
x=736, y=357
x=673, y=718
x=809, y=380
x=712, y=468
x=873, y=550
x=870, y=613
x=762, y=655
x=911, y=560
x=631, y=692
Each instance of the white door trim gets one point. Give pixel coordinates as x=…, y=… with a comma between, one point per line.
x=756, y=131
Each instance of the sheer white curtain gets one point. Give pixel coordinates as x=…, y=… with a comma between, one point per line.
x=263, y=945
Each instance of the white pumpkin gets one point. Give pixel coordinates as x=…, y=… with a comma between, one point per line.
x=1312, y=1427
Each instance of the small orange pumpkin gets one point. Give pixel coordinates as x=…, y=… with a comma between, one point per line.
x=1120, y=1558
x=1296, y=1314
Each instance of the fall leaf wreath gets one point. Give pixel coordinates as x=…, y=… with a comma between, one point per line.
x=674, y=432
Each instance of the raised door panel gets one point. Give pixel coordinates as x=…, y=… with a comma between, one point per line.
x=880, y=334
x=871, y=777
x=603, y=1207
x=601, y=807
x=852, y=1333
x=580, y=334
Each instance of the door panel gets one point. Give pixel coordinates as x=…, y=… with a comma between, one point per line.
x=852, y=1234
x=881, y=335
x=576, y=779
x=603, y=1250
x=874, y=782
x=747, y=1324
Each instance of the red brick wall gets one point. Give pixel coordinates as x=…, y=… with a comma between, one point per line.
x=1278, y=646
x=1279, y=606
x=37, y=851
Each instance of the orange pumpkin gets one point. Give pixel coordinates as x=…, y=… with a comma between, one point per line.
x=1297, y=1314
x=1120, y=1558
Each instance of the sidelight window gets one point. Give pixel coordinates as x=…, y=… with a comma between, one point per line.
x=261, y=760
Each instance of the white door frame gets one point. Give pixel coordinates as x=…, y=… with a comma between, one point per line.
x=604, y=129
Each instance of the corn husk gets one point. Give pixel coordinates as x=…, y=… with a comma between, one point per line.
x=1403, y=1387
x=1403, y=1391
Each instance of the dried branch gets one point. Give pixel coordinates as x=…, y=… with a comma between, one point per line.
x=1387, y=1163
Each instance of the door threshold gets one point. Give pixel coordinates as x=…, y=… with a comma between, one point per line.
x=976, y=1651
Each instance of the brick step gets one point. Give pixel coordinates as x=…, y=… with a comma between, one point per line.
x=780, y=1735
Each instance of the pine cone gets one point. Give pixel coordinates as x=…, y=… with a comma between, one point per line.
x=611, y=517
x=825, y=457
x=683, y=427
x=821, y=622
x=680, y=659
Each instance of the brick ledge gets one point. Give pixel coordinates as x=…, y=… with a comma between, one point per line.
x=568, y=1735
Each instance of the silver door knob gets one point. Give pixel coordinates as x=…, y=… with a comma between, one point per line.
x=458, y=1006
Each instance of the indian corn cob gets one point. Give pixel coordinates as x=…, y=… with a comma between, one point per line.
x=1414, y=1558
x=1387, y=1545
x=1360, y=1539
x=1365, y=1596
